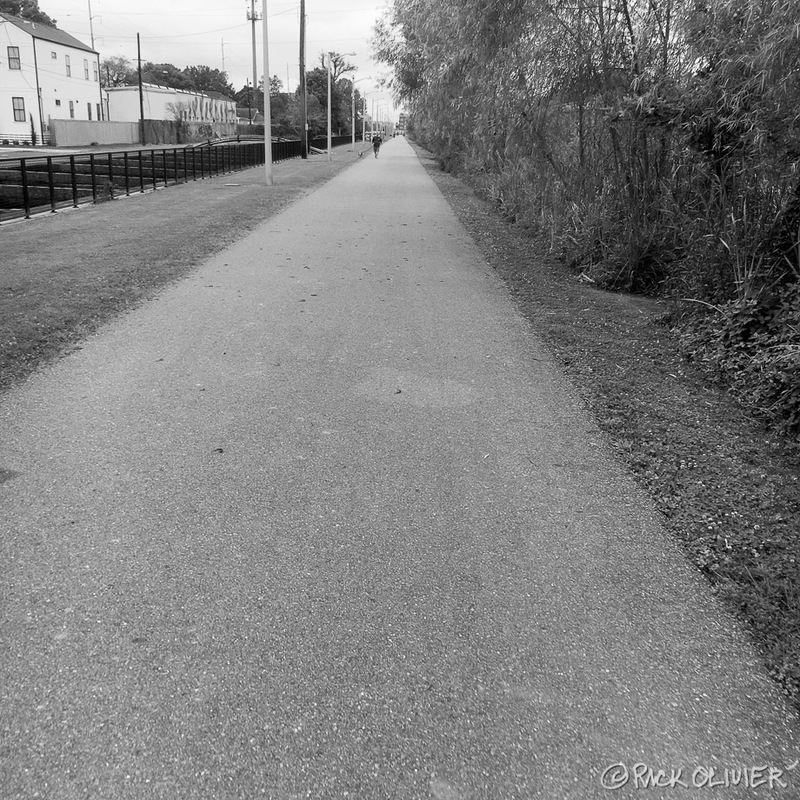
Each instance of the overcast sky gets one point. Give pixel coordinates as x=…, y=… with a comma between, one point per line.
x=194, y=32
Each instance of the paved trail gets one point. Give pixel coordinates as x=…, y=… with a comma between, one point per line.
x=325, y=521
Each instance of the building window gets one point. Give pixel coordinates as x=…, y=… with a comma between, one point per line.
x=89, y=110
x=86, y=69
x=96, y=74
x=99, y=114
x=53, y=54
x=13, y=58
x=71, y=110
x=19, y=108
x=69, y=66
x=58, y=102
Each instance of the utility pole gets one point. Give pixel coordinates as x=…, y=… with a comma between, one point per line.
x=249, y=104
x=253, y=16
x=141, y=91
x=91, y=25
x=303, y=104
x=97, y=56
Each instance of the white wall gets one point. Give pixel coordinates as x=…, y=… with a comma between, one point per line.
x=17, y=83
x=79, y=133
x=59, y=90
x=161, y=102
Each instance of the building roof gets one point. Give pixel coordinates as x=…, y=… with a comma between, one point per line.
x=219, y=96
x=255, y=116
x=157, y=87
x=47, y=33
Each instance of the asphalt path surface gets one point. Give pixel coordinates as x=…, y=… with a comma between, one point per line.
x=324, y=520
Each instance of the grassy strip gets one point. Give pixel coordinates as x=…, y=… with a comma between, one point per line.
x=725, y=489
x=63, y=275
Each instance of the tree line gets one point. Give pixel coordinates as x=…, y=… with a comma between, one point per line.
x=284, y=106
x=652, y=144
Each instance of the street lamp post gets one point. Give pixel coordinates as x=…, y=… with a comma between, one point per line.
x=267, y=109
x=330, y=137
x=353, y=108
x=330, y=74
x=364, y=120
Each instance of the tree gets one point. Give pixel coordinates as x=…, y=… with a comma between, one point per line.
x=317, y=87
x=206, y=79
x=26, y=9
x=247, y=96
x=339, y=66
x=117, y=71
x=165, y=75
x=317, y=117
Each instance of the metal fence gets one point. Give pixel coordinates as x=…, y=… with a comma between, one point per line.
x=48, y=183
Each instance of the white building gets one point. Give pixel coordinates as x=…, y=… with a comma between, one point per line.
x=44, y=74
x=165, y=103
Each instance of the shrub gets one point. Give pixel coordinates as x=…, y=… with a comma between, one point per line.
x=753, y=344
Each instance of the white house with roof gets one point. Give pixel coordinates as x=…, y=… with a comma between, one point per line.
x=45, y=74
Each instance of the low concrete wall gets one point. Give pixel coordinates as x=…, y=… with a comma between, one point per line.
x=165, y=131
x=250, y=130
x=78, y=133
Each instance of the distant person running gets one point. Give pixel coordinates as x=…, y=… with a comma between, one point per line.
x=376, y=144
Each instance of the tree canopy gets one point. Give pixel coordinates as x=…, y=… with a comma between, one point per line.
x=26, y=9
x=206, y=79
x=630, y=130
x=119, y=71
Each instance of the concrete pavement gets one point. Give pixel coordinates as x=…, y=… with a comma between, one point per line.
x=325, y=520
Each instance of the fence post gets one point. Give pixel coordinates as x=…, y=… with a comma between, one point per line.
x=51, y=185
x=110, y=177
x=74, y=181
x=26, y=199
x=127, y=173
x=93, y=174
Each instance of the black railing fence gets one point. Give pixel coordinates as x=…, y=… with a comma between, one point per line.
x=37, y=184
